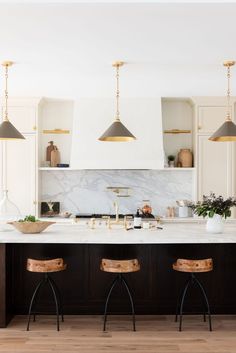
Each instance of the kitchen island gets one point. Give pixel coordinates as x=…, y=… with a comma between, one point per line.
x=83, y=285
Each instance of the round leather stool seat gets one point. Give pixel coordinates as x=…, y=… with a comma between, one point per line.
x=119, y=266
x=45, y=266
x=193, y=266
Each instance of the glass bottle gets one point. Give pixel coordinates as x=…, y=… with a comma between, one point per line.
x=8, y=210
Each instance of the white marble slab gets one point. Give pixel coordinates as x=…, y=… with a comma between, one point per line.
x=175, y=233
x=85, y=191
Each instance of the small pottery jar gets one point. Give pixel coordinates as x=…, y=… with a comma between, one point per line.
x=185, y=157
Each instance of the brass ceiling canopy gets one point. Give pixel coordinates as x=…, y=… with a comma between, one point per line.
x=117, y=132
x=7, y=130
x=227, y=131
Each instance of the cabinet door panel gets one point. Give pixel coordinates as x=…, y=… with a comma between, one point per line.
x=23, y=118
x=210, y=118
x=20, y=173
x=214, y=167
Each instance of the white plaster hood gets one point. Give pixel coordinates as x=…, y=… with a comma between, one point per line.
x=142, y=116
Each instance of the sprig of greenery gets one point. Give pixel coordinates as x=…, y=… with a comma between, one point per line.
x=29, y=219
x=214, y=205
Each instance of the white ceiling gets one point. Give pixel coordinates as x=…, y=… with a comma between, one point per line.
x=66, y=50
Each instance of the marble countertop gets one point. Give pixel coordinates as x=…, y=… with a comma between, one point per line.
x=172, y=233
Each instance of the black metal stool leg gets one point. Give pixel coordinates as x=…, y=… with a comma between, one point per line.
x=182, y=303
x=59, y=299
x=179, y=301
x=131, y=300
x=56, y=301
x=206, y=301
x=107, y=301
x=32, y=301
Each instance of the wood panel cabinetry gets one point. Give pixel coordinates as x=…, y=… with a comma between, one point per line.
x=215, y=160
x=19, y=158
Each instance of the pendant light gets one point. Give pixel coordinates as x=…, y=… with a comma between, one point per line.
x=227, y=131
x=7, y=130
x=117, y=132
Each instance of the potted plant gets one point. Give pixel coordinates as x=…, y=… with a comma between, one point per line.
x=171, y=161
x=216, y=208
x=30, y=225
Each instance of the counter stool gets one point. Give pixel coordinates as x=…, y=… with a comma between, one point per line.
x=192, y=267
x=46, y=267
x=120, y=267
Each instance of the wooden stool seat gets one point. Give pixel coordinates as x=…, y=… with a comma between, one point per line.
x=193, y=266
x=119, y=266
x=45, y=266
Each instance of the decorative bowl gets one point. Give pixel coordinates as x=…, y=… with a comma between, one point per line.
x=31, y=227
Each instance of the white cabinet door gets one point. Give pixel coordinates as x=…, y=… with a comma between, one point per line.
x=210, y=118
x=20, y=173
x=23, y=118
x=214, y=167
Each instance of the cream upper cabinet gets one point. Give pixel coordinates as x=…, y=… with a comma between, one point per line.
x=20, y=170
x=19, y=162
x=23, y=113
x=209, y=118
x=215, y=162
x=214, y=167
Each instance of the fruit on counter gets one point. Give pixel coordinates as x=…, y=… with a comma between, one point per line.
x=29, y=219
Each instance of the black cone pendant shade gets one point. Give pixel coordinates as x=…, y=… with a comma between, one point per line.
x=117, y=132
x=227, y=131
x=7, y=130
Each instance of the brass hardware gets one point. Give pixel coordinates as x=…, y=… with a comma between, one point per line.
x=92, y=223
x=229, y=63
x=118, y=63
x=199, y=127
x=7, y=63
x=56, y=131
x=177, y=131
x=34, y=127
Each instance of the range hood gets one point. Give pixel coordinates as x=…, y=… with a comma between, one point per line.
x=141, y=115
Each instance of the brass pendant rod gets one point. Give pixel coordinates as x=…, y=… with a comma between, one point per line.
x=228, y=116
x=6, y=93
x=117, y=94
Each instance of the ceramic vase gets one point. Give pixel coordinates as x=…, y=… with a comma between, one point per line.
x=185, y=157
x=215, y=224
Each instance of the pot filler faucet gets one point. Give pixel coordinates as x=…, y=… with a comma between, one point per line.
x=120, y=191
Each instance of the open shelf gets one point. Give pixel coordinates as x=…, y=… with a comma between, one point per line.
x=177, y=119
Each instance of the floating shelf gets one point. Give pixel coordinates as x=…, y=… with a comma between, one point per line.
x=70, y=169
x=56, y=131
x=177, y=131
x=178, y=168
x=57, y=168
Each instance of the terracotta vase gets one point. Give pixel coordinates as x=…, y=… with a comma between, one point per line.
x=185, y=157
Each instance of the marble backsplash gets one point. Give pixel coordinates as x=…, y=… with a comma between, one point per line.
x=85, y=191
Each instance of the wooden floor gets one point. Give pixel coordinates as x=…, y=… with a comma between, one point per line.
x=82, y=334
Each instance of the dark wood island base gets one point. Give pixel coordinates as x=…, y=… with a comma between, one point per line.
x=83, y=286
